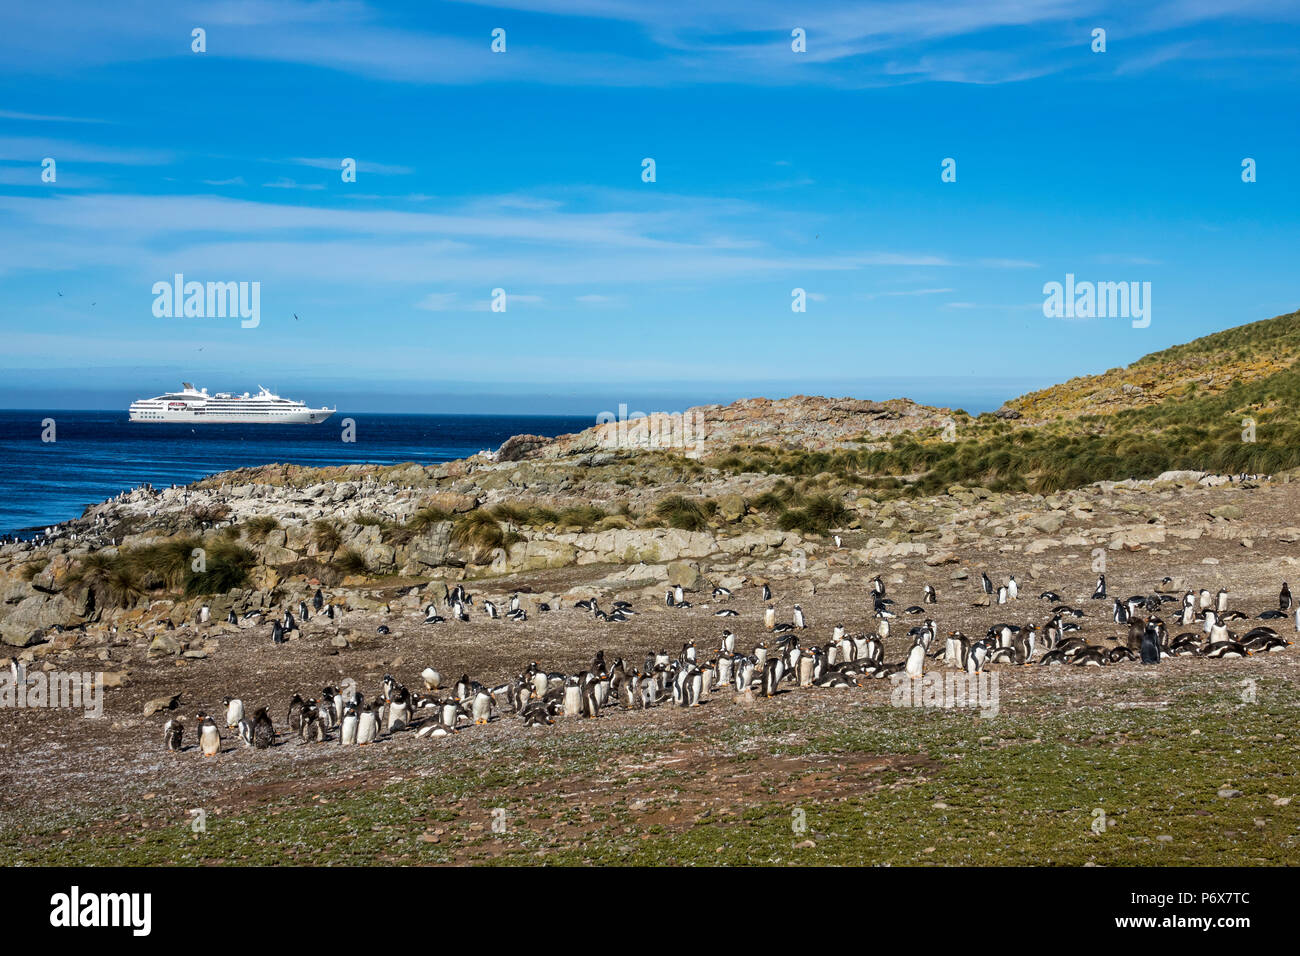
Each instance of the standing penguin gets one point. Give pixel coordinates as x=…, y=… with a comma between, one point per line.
x=263, y=730
x=769, y=617
x=348, y=727
x=930, y=596
x=572, y=697
x=1151, y=644
x=798, y=617
x=209, y=735
x=481, y=708
x=1284, y=599
x=985, y=583
x=773, y=669
x=368, y=724
x=234, y=712
x=1099, y=593
x=399, y=709
x=916, y=660
x=173, y=733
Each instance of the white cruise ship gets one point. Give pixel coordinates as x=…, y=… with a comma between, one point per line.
x=191, y=405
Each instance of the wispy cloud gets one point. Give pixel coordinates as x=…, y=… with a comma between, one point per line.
x=45, y=118
x=862, y=44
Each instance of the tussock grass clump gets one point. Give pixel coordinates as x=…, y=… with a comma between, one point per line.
x=33, y=568
x=819, y=516
x=576, y=517
x=227, y=567
x=257, y=528
x=481, y=533
x=326, y=536
x=109, y=578
x=685, y=514
x=350, y=561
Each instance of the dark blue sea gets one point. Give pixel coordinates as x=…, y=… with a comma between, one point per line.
x=97, y=454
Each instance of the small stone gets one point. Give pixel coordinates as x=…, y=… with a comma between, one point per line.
x=1228, y=793
x=161, y=703
x=805, y=845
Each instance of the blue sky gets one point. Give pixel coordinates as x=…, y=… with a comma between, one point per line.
x=522, y=170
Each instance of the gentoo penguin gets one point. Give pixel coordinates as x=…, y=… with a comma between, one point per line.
x=294, y=720
x=313, y=722
x=348, y=728
x=209, y=734
x=773, y=671
x=743, y=673
x=205, y=613
x=1099, y=592
x=1150, y=648
x=277, y=633
x=1284, y=599
x=245, y=731
x=930, y=596
x=173, y=733
x=798, y=617
x=368, y=724
x=985, y=583
x=1224, y=649
x=572, y=697
x=916, y=660
x=769, y=617
x=399, y=709
x=231, y=619
x=536, y=714
x=1136, y=628
x=878, y=586
x=432, y=679
x=1013, y=589
x=1120, y=612
x=318, y=600
x=1002, y=594
x=481, y=708
x=234, y=711
x=767, y=592
x=263, y=730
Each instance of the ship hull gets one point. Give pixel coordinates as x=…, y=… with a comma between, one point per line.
x=198, y=416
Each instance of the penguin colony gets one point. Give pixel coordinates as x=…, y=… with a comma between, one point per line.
x=537, y=696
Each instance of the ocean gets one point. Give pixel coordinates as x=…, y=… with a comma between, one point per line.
x=96, y=454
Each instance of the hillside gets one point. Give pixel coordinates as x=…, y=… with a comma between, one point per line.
x=1206, y=366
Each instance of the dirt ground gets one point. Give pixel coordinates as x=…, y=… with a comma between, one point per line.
x=64, y=777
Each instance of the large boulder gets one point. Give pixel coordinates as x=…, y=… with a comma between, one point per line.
x=25, y=624
x=682, y=574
